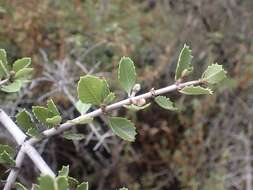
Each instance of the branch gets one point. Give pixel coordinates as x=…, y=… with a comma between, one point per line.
x=2, y=82
x=27, y=148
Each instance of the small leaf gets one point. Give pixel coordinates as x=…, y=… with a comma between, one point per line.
x=19, y=186
x=24, y=120
x=64, y=171
x=3, y=70
x=40, y=113
x=133, y=107
x=33, y=132
x=184, y=66
x=92, y=90
x=12, y=87
x=109, y=98
x=81, y=120
x=123, y=188
x=62, y=183
x=82, y=107
x=83, y=186
x=127, y=74
x=72, y=181
x=5, y=158
x=122, y=128
x=196, y=90
x=7, y=149
x=55, y=120
x=25, y=73
x=165, y=103
x=73, y=136
x=214, y=74
x=3, y=56
x=52, y=108
x=47, y=182
x=21, y=63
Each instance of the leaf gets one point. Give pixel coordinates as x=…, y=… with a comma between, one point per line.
x=165, y=103
x=5, y=158
x=64, y=171
x=33, y=132
x=25, y=73
x=55, y=120
x=62, y=183
x=184, y=66
x=83, y=186
x=52, y=108
x=3, y=56
x=133, y=107
x=105, y=91
x=73, y=136
x=72, y=181
x=24, y=120
x=127, y=74
x=47, y=182
x=214, y=74
x=196, y=90
x=123, y=188
x=3, y=70
x=7, y=149
x=109, y=98
x=81, y=120
x=12, y=87
x=92, y=90
x=82, y=107
x=21, y=63
x=19, y=186
x=122, y=128
x=41, y=114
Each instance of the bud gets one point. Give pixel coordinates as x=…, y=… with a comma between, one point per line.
x=137, y=88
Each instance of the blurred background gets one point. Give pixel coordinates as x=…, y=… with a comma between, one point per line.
x=207, y=146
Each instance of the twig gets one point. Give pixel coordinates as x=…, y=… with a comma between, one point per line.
x=2, y=82
x=27, y=148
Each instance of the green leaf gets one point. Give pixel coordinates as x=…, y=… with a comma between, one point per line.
x=19, y=186
x=73, y=136
x=3, y=56
x=214, y=74
x=21, y=63
x=24, y=120
x=41, y=114
x=12, y=87
x=82, y=107
x=25, y=73
x=122, y=128
x=133, y=107
x=83, y=186
x=33, y=132
x=72, y=181
x=109, y=98
x=184, y=66
x=92, y=90
x=196, y=90
x=123, y=188
x=52, y=108
x=165, y=103
x=3, y=70
x=64, y=171
x=105, y=91
x=47, y=182
x=62, y=183
x=7, y=149
x=55, y=120
x=81, y=120
x=127, y=74
x=5, y=158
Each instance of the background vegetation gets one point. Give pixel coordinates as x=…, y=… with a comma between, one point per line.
x=206, y=146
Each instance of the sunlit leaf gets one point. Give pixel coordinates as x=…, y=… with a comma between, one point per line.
x=55, y=120
x=184, y=66
x=62, y=183
x=165, y=103
x=133, y=107
x=24, y=120
x=92, y=90
x=123, y=128
x=47, y=182
x=40, y=113
x=109, y=98
x=64, y=171
x=82, y=107
x=196, y=90
x=25, y=73
x=12, y=87
x=83, y=186
x=21, y=63
x=214, y=74
x=127, y=74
